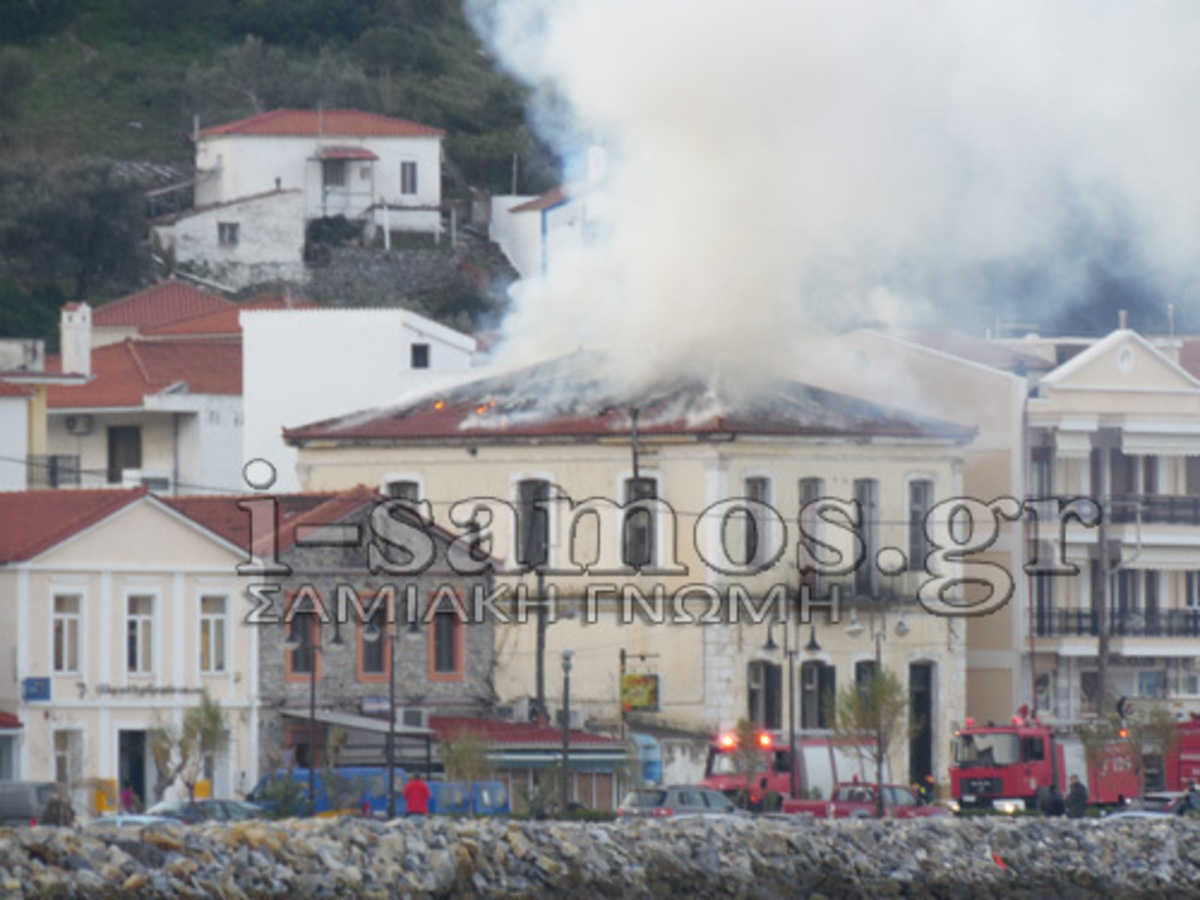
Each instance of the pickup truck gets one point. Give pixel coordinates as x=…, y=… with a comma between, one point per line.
x=857, y=800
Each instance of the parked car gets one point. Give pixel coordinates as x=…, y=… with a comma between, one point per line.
x=858, y=800
x=676, y=801
x=206, y=810
x=25, y=802
x=1161, y=805
x=131, y=820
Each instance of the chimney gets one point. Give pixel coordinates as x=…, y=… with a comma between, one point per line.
x=1122, y=319
x=75, y=335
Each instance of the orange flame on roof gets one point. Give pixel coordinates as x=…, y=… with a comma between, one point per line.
x=441, y=404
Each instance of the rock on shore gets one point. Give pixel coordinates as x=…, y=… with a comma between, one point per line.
x=696, y=858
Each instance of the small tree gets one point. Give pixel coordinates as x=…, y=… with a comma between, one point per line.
x=870, y=716
x=182, y=751
x=465, y=758
x=747, y=758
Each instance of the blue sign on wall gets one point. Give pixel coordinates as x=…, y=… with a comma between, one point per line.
x=35, y=689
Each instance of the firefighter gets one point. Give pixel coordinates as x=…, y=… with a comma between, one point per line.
x=1077, y=798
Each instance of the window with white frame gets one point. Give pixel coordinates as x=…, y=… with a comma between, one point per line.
x=920, y=502
x=533, y=523
x=67, y=611
x=227, y=234
x=639, y=524
x=866, y=493
x=1191, y=597
x=408, y=177
x=758, y=491
x=139, y=634
x=333, y=173
x=68, y=756
x=811, y=490
x=214, y=631
x=404, y=489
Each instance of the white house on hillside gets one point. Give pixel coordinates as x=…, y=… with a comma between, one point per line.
x=260, y=180
x=307, y=364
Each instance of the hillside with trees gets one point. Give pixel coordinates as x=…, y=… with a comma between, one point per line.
x=99, y=100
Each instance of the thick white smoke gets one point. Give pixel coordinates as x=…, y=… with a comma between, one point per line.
x=780, y=166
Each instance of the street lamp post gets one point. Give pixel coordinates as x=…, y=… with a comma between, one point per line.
x=790, y=654
x=566, y=731
x=313, y=652
x=373, y=632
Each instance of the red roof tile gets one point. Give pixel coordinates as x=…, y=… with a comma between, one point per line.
x=226, y=321
x=8, y=389
x=169, y=301
x=552, y=197
x=34, y=521
x=986, y=353
x=500, y=733
x=222, y=515
x=126, y=372
x=7, y=720
x=562, y=399
x=328, y=122
x=347, y=153
x=1189, y=356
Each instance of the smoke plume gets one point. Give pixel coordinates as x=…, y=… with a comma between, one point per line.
x=776, y=168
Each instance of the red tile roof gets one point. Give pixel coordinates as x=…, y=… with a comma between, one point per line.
x=126, y=372
x=226, y=321
x=34, y=521
x=8, y=389
x=169, y=301
x=7, y=720
x=1189, y=356
x=328, y=122
x=347, y=153
x=986, y=353
x=222, y=515
x=552, y=197
x=562, y=399
x=500, y=733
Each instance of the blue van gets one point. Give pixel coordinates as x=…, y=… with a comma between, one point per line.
x=340, y=791
x=481, y=798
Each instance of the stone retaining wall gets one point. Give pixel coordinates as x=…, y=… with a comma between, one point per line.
x=732, y=858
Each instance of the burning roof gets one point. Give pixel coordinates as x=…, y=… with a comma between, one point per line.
x=567, y=399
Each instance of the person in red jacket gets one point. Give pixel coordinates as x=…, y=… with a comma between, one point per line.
x=416, y=797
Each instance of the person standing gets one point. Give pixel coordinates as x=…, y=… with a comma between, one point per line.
x=416, y=797
x=1077, y=798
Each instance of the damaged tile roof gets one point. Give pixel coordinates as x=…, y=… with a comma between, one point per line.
x=324, y=122
x=125, y=373
x=563, y=399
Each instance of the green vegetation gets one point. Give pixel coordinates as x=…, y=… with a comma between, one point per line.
x=126, y=78
x=187, y=751
x=871, y=716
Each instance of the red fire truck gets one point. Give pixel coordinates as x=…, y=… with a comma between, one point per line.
x=1010, y=766
x=820, y=764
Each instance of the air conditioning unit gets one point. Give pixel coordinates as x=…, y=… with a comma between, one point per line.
x=576, y=718
x=79, y=424
x=158, y=482
x=414, y=717
x=524, y=709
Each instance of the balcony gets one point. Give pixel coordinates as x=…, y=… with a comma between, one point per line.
x=1155, y=509
x=1175, y=623
x=53, y=470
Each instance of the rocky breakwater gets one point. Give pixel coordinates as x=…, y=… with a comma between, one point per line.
x=697, y=858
